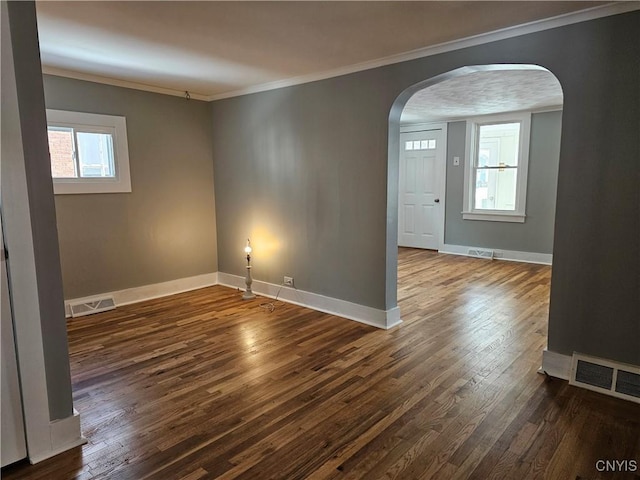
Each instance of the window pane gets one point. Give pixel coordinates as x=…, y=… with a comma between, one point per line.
x=95, y=154
x=424, y=144
x=495, y=189
x=498, y=145
x=61, y=150
x=432, y=144
x=408, y=145
x=416, y=144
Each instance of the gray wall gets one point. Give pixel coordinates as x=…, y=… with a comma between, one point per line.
x=295, y=171
x=536, y=234
x=29, y=219
x=595, y=289
x=165, y=228
x=305, y=168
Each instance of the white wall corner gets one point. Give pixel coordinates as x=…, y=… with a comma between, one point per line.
x=393, y=318
x=556, y=364
x=233, y=281
x=64, y=434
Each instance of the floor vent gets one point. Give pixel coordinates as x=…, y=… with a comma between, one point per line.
x=95, y=306
x=481, y=253
x=604, y=376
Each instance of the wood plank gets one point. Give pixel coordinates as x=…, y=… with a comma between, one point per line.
x=206, y=385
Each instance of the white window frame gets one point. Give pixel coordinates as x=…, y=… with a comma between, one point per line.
x=92, y=122
x=519, y=214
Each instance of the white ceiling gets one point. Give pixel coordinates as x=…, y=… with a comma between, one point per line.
x=215, y=49
x=483, y=93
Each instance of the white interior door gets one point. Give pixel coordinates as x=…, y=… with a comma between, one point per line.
x=12, y=438
x=421, y=189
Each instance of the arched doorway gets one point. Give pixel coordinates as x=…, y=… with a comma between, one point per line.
x=473, y=205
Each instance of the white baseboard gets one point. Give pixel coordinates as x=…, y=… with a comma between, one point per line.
x=556, y=364
x=334, y=306
x=64, y=434
x=509, y=255
x=393, y=317
x=149, y=292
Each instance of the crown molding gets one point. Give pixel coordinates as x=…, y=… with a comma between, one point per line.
x=61, y=72
x=593, y=13
x=505, y=33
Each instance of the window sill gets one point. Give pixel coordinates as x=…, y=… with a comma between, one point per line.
x=494, y=217
x=84, y=186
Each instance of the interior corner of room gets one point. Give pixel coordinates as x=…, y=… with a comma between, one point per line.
x=322, y=177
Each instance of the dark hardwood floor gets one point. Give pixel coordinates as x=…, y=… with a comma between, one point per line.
x=205, y=385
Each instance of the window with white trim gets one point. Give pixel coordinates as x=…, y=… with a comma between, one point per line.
x=497, y=160
x=89, y=152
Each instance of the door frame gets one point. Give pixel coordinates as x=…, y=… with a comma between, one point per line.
x=441, y=158
x=14, y=441
x=393, y=153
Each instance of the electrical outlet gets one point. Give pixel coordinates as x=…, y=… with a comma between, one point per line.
x=288, y=281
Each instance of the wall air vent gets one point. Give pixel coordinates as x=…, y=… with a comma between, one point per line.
x=481, y=253
x=87, y=308
x=628, y=383
x=604, y=376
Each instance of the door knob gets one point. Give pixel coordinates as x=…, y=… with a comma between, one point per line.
x=437, y=200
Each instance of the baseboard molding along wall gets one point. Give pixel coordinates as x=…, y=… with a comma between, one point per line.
x=556, y=364
x=64, y=434
x=149, y=292
x=353, y=311
x=509, y=255
x=333, y=306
